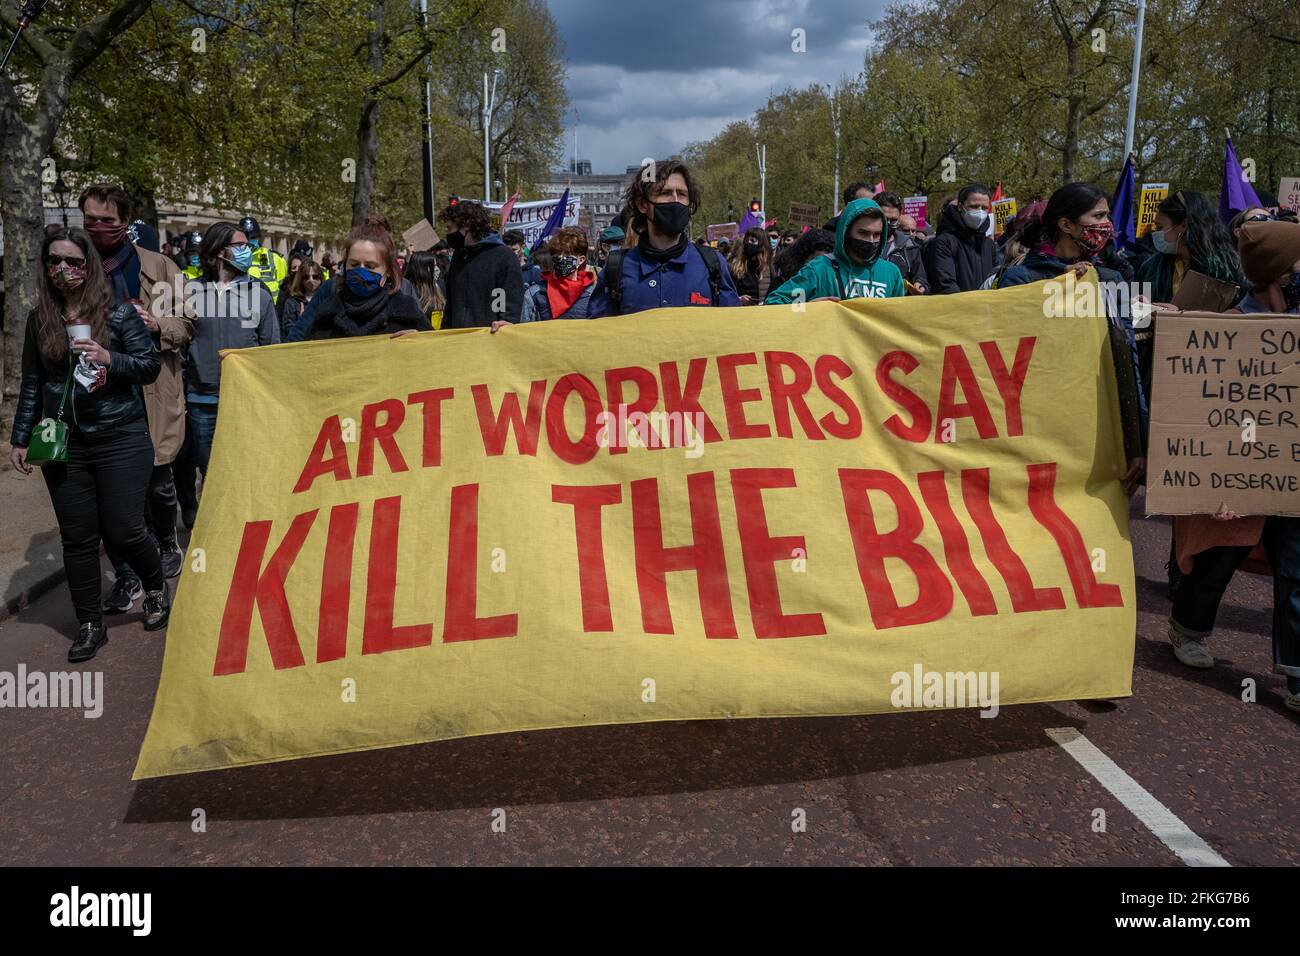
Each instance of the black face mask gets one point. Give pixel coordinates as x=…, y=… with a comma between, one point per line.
x=671, y=217
x=456, y=240
x=751, y=249
x=862, y=249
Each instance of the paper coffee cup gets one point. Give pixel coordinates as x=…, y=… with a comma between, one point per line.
x=81, y=330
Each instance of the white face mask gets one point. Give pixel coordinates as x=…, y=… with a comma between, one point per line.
x=974, y=218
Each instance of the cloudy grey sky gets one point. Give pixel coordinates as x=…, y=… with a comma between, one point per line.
x=646, y=84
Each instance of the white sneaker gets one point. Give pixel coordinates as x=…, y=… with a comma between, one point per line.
x=1189, y=650
x=1292, y=702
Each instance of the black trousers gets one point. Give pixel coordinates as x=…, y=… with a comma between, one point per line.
x=159, y=517
x=185, y=472
x=103, y=486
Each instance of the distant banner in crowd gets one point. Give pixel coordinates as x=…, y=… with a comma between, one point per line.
x=915, y=207
x=1003, y=210
x=803, y=215
x=1153, y=194
x=1224, y=405
x=1288, y=194
x=530, y=217
x=683, y=514
x=721, y=230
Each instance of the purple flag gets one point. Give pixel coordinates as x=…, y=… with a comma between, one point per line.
x=1237, y=193
x=557, y=217
x=750, y=221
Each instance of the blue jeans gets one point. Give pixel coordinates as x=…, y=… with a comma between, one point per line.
x=203, y=425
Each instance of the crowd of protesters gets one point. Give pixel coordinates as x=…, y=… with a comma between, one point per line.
x=139, y=385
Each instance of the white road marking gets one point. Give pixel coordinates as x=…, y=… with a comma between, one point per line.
x=1153, y=814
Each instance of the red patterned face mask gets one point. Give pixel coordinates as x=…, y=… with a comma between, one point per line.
x=1095, y=235
x=65, y=276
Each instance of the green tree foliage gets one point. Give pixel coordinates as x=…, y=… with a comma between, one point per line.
x=1032, y=93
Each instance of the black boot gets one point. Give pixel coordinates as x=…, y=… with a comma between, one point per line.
x=88, y=643
x=157, y=609
x=171, y=556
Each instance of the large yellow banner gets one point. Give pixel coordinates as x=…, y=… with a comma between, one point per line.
x=690, y=513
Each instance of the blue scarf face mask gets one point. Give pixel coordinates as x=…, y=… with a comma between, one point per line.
x=362, y=282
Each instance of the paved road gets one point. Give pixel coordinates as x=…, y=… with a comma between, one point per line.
x=920, y=788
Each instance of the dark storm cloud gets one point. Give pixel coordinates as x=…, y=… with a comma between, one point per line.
x=648, y=84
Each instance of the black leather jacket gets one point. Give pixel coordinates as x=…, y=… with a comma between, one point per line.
x=115, y=403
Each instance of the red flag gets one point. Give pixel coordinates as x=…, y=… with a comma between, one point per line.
x=880, y=187
x=505, y=210
x=997, y=193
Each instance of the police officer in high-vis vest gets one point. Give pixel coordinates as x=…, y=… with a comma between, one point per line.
x=268, y=265
x=192, y=268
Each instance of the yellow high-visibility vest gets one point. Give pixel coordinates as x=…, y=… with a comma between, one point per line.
x=270, y=267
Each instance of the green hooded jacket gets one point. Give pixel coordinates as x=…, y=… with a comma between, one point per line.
x=878, y=279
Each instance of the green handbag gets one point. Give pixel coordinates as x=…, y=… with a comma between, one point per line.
x=49, y=442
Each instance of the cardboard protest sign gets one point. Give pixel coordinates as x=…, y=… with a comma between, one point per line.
x=1153, y=194
x=915, y=206
x=1288, y=194
x=1225, y=402
x=1201, y=293
x=681, y=514
x=803, y=214
x=722, y=230
x=421, y=237
x=1003, y=210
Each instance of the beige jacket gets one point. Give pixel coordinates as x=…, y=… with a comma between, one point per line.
x=164, y=398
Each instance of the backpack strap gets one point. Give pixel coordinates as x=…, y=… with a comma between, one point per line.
x=614, y=270
x=839, y=279
x=711, y=262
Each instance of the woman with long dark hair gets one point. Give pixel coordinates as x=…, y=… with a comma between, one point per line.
x=1072, y=235
x=84, y=362
x=1188, y=236
x=423, y=274
x=302, y=285
x=750, y=263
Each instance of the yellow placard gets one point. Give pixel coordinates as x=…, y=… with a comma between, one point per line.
x=1153, y=194
x=1003, y=210
x=688, y=513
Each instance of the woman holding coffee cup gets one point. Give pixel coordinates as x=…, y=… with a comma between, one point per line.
x=84, y=361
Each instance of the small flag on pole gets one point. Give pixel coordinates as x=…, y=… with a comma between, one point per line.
x=1236, y=193
x=557, y=217
x=1123, y=209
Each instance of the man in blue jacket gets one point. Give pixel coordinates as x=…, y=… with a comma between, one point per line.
x=665, y=269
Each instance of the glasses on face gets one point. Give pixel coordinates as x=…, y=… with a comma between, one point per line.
x=76, y=262
x=1262, y=217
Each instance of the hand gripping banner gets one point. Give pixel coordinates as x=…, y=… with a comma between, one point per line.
x=690, y=513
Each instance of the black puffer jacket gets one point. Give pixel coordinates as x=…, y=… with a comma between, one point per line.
x=117, y=402
x=959, y=258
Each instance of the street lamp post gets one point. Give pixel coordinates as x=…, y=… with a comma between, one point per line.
x=761, y=152
x=489, y=102
x=426, y=158
x=835, y=124
x=1133, y=85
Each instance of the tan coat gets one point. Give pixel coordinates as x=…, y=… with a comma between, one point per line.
x=164, y=398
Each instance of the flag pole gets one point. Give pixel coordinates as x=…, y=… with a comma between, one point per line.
x=1133, y=85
